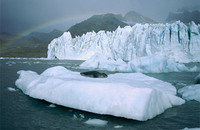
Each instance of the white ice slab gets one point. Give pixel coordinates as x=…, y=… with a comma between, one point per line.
x=130, y=95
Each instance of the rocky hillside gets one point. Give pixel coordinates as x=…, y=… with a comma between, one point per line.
x=33, y=45
x=107, y=22
x=133, y=17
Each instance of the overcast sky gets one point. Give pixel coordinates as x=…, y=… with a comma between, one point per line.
x=17, y=16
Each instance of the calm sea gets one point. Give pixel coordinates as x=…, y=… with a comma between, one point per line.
x=19, y=111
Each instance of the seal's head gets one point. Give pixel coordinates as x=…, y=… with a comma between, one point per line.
x=94, y=74
x=103, y=75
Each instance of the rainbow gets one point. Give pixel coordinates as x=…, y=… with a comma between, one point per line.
x=42, y=26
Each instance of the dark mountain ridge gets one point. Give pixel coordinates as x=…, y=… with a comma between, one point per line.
x=107, y=22
x=133, y=17
x=46, y=37
x=33, y=45
x=184, y=16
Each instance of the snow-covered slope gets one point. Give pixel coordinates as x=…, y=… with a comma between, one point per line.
x=175, y=40
x=130, y=95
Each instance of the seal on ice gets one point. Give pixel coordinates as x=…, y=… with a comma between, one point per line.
x=94, y=74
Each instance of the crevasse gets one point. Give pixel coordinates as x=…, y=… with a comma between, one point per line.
x=174, y=40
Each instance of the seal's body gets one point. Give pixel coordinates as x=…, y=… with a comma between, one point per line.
x=94, y=74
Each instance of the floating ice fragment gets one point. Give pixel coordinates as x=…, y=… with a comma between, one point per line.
x=82, y=116
x=52, y=105
x=75, y=117
x=191, y=92
x=118, y=126
x=96, y=122
x=12, y=89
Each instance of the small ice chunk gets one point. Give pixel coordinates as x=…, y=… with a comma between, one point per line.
x=82, y=116
x=191, y=92
x=118, y=126
x=75, y=117
x=12, y=89
x=52, y=105
x=96, y=122
x=191, y=128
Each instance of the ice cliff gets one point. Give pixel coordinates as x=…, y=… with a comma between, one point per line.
x=175, y=40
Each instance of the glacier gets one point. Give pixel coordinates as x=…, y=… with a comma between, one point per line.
x=129, y=95
x=175, y=41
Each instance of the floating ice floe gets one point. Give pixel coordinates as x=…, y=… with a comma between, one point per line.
x=191, y=92
x=148, y=64
x=129, y=95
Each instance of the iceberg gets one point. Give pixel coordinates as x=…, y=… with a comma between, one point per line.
x=129, y=95
x=146, y=64
x=99, y=61
x=191, y=92
x=176, y=41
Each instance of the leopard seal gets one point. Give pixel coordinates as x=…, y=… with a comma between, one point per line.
x=94, y=74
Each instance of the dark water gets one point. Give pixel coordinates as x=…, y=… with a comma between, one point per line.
x=18, y=111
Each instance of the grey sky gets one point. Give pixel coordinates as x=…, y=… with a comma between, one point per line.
x=17, y=16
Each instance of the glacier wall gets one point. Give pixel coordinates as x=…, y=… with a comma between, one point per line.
x=174, y=40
